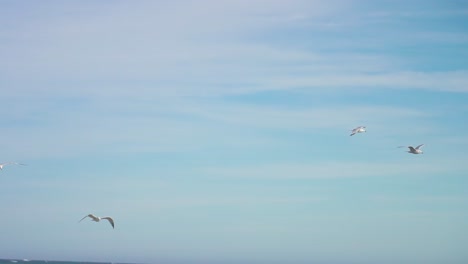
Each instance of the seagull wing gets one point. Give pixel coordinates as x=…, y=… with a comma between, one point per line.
x=83, y=218
x=111, y=221
x=91, y=216
x=356, y=130
x=419, y=146
x=411, y=148
x=95, y=218
x=11, y=163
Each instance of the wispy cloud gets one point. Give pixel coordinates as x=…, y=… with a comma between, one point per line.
x=422, y=199
x=330, y=170
x=191, y=49
x=181, y=125
x=456, y=81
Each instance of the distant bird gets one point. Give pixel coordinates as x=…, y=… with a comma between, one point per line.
x=10, y=163
x=358, y=129
x=416, y=150
x=97, y=219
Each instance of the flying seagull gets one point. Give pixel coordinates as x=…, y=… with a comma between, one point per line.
x=358, y=129
x=10, y=163
x=97, y=219
x=416, y=150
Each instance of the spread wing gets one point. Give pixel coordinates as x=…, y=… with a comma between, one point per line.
x=90, y=215
x=356, y=130
x=12, y=163
x=411, y=148
x=111, y=221
x=419, y=146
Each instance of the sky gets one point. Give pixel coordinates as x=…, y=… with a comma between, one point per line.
x=218, y=131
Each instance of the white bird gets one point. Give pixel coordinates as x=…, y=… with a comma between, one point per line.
x=10, y=163
x=97, y=219
x=358, y=129
x=416, y=150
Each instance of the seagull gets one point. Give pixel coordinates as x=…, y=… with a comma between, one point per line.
x=10, y=163
x=416, y=150
x=97, y=219
x=358, y=129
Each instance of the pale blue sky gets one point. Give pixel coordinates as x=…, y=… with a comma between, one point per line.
x=218, y=131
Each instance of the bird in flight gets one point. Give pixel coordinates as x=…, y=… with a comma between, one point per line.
x=358, y=129
x=416, y=150
x=97, y=219
x=10, y=163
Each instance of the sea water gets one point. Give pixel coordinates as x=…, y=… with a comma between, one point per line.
x=26, y=261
